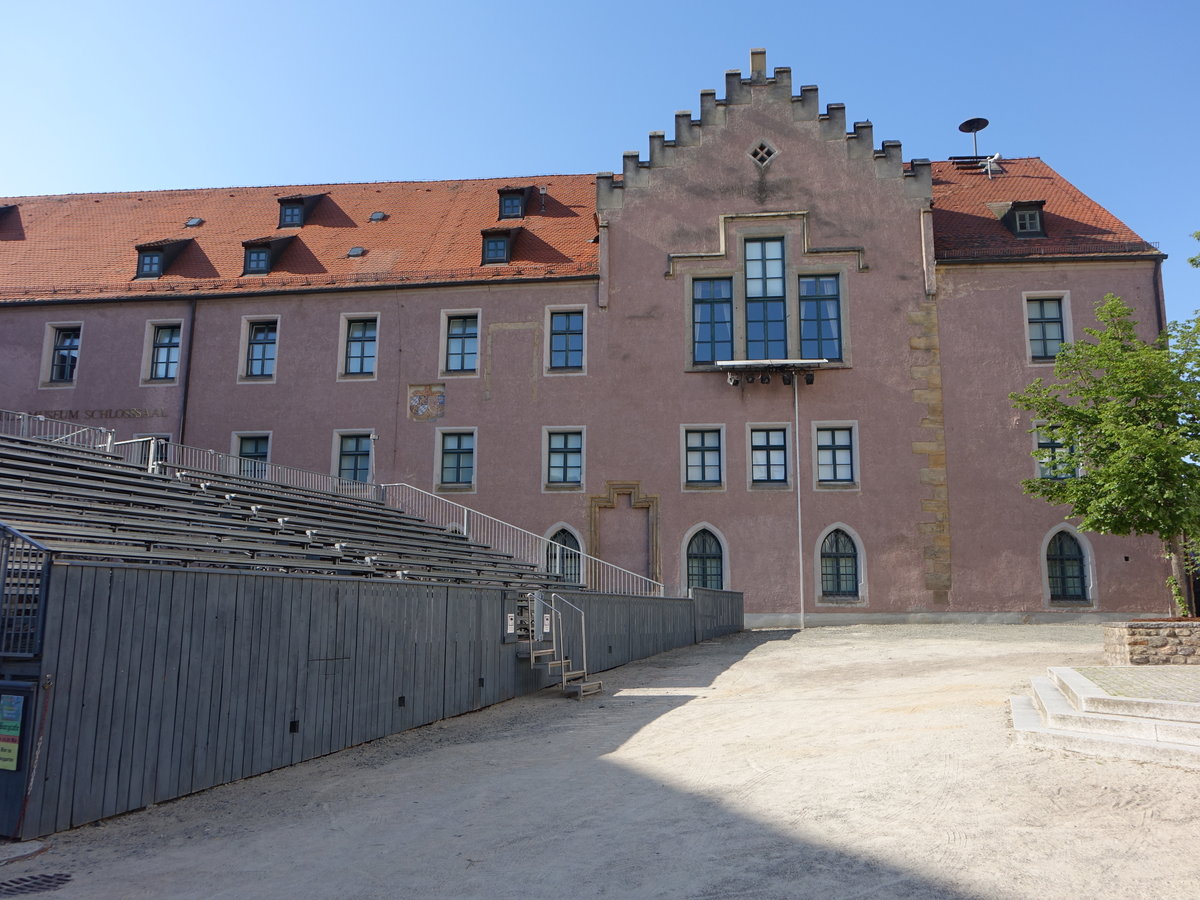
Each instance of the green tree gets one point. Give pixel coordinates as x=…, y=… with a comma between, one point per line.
x=1195, y=260
x=1128, y=414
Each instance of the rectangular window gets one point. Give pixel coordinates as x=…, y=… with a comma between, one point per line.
x=820, y=318
x=354, y=457
x=291, y=214
x=254, y=450
x=512, y=205
x=766, y=306
x=64, y=357
x=258, y=261
x=360, y=347
x=164, y=353
x=149, y=264
x=1029, y=221
x=1046, y=333
x=835, y=455
x=712, y=320
x=458, y=458
x=768, y=455
x=495, y=249
x=703, y=454
x=260, y=349
x=462, y=343
x=1050, y=453
x=566, y=340
x=564, y=457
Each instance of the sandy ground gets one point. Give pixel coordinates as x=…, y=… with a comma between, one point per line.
x=850, y=762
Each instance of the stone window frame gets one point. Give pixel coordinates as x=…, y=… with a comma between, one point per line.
x=249, y=322
x=345, y=322
x=1064, y=320
x=339, y=453
x=150, y=348
x=685, y=556
x=1091, y=599
x=548, y=349
x=855, y=481
x=460, y=487
x=444, y=337
x=50, y=349
x=685, y=433
x=786, y=484
x=548, y=456
x=838, y=600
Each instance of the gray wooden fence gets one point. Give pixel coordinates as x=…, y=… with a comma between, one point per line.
x=156, y=682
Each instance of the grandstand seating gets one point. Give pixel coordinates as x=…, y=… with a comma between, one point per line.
x=91, y=504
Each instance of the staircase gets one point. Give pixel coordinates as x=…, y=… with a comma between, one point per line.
x=1150, y=714
x=540, y=629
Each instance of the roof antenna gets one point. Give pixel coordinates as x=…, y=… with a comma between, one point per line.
x=973, y=127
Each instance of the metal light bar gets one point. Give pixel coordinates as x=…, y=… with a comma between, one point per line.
x=768, y=363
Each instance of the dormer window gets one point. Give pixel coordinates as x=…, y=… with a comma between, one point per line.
x=1028, y=221
x=155, y=258
x=497, y=245
x=150, y=264
x=294, y=211
x=258, y=260
x=262, y=254
x=291, y=214
x=1024, y=218
x=513, y=202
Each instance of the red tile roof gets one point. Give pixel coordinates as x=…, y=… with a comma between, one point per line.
x=964, y=226
x=83, y=245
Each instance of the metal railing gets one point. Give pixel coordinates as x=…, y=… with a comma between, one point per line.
x=166, y=457
x=55, y=431
x=592, y=573
x=24, y=564
x=558, y=634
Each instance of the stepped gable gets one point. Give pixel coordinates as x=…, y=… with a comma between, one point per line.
x=967, y=209
x=759, y=89
x=81, y=246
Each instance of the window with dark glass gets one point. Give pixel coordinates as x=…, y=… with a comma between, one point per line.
x=564, y=457
x=712, y=320
x=564, y=556
x=458, y=458
x=360, y=347
x=253, y=450
x=1065, y=567
x=566, y=340
x=150, y=264
x=512, y=205
x=766, y=304
x=768, y=455
x=354, y=457
x=258, y=260
x=839, y=566
x=1028, y=221
x=835, y=455
x=704, y=561
x=291, y=214
x=462, y=343
x=260, y=349
x=1046, y=332
x=496, y=249
x=703, y=449
x=164, y=353
x=820, y=317
x=65, y=355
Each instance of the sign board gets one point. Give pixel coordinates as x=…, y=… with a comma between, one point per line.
x=12, y=708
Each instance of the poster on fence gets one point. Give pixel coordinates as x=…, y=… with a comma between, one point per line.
x=11, y=708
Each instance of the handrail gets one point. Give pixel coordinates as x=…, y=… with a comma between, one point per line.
x=54, y=431
x=517, y=542
x=166, y=457
x=582, y=630
x=24, y=564
x=557, y=636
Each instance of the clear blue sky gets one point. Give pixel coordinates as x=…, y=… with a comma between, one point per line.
x=133, y=95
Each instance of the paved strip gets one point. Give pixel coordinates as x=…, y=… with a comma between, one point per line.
x=1178, y=683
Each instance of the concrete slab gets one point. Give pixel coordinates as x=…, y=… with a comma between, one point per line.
x=857, y=762
x=1147, y=694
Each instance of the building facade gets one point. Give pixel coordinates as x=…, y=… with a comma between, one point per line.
x=770, y=357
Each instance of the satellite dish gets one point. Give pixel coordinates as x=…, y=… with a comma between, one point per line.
x=973, y=127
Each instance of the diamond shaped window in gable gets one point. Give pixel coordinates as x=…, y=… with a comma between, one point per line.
x=763, y=153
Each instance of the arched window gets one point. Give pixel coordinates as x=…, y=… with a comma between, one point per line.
x=563, y=556
x=839, y=566
x=1065, y=568
x=704, y=561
